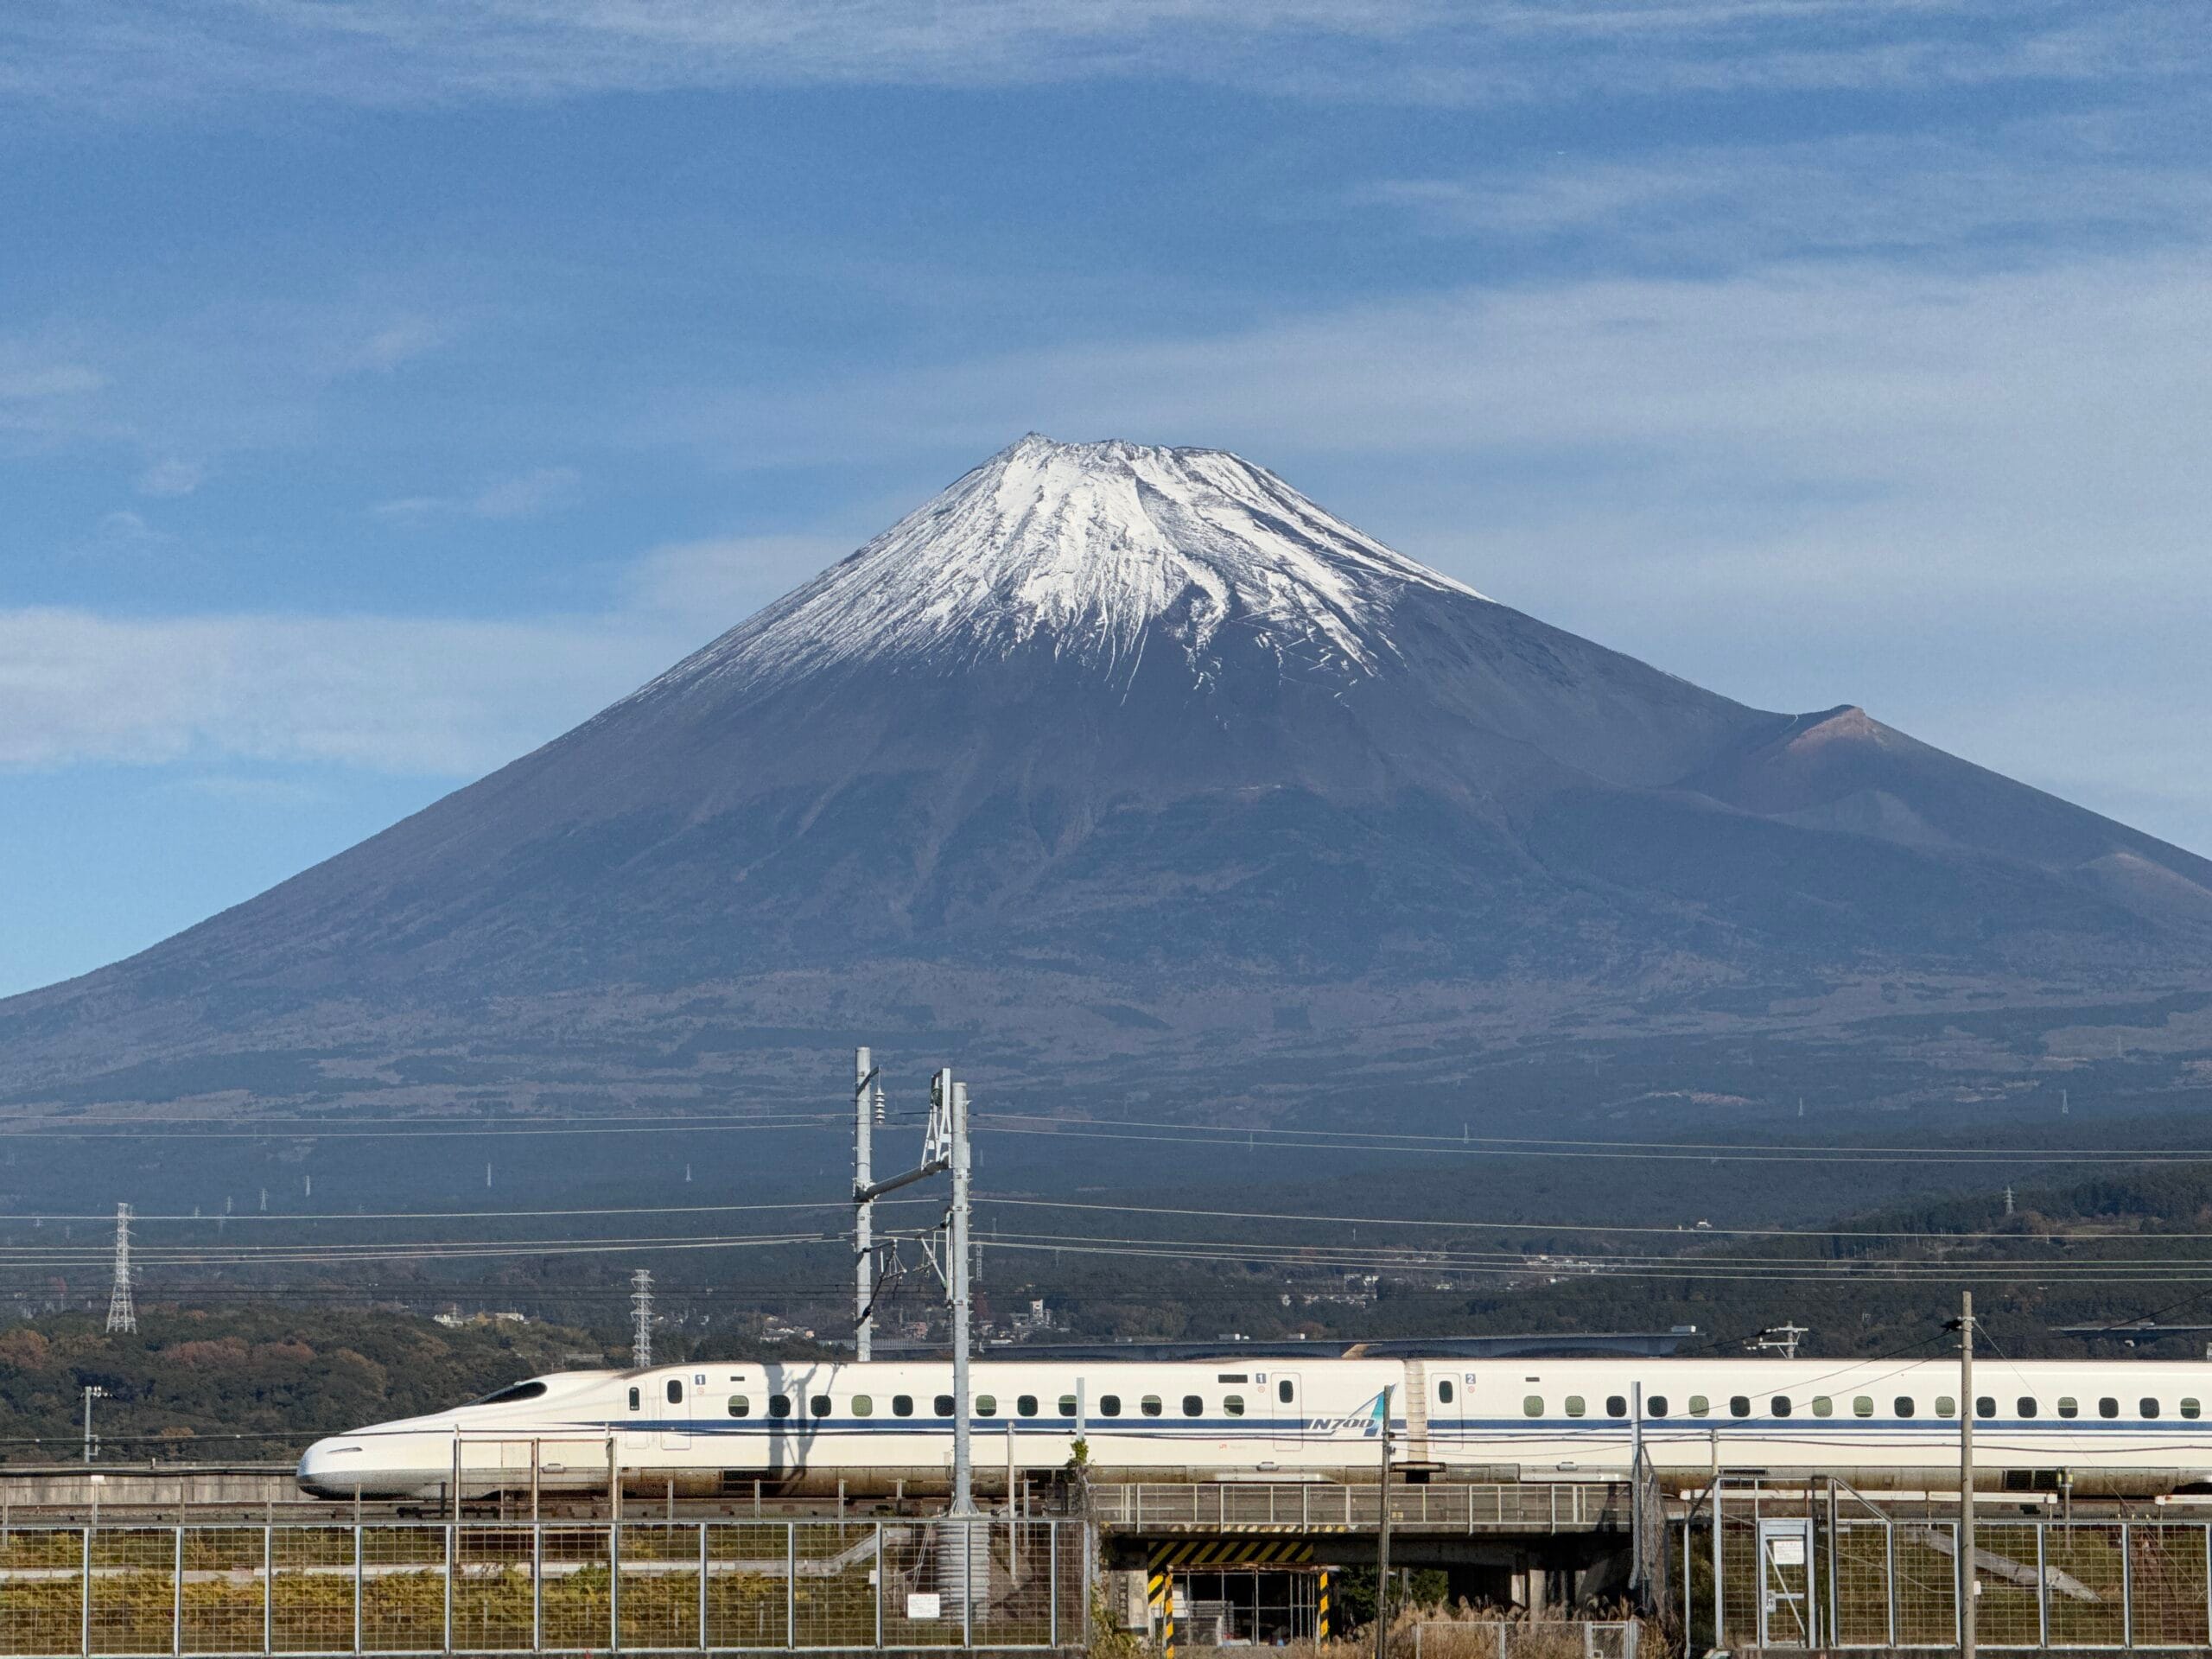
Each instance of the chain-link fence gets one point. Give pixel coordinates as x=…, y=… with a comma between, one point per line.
x=1843, y=1573
x=491, y=1588
x=1525, y=1638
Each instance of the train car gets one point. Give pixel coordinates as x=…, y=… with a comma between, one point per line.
x=2126, y=1427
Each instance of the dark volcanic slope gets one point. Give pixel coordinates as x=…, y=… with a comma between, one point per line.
x=1106, y=727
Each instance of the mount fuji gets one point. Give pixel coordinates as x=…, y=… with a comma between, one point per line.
x=1134, y=758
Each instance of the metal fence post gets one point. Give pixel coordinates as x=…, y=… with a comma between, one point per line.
x=1688, y=1601
x=1052, y=1589
x=85, y=1596
x=615, y=1586
x=360, y=1577
x=536, y=1584
x=880, y=1585
x=790, y=1584
x=967, y=1581
x=2126, y=1588
x=268, y=1589
x=1890, y=1577
x=1719, y=1612
x=453, y=1549
x=176, y=1596
x=702, y=1585
x=2043, y=1587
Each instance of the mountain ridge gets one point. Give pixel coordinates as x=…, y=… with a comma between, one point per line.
x=1111, y=725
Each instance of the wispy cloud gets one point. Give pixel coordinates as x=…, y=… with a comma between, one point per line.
x=2045, y=189
x=171, y=478
x=517, y=495
x=411, y=695
x=22, y=383
x=134, y=55
x=408, y=695
x=400, y=341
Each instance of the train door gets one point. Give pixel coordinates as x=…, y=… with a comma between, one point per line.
x=1448, y=1407
x=675, y=1415
x=1786, y=1583
x=1287, y=1395
x=636, y=1436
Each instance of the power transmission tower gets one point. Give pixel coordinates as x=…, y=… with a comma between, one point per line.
x=121, y=1316
x=641, y=1317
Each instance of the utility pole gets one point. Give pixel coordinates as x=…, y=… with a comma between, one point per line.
x=1968, y=1584
x=864, y=1209
x=641, y=1318
x=1382, y=1535
x=121, y=1315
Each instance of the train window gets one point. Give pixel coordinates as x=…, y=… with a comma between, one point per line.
x=1193, y=1406
x=987, y=1405
x=2108, y=1407
x=1233, y=1404
x=514, y=1391
x=1109, y=1405
x=863, y=1405
x=942, y=1405
x=1903, y=1405
x=819, y=1405
x=1984, y=1405
x=1284, y=1389
x=1655, y=1406
x=1150, y=1405
x=1699, y=1406
x=1532, y=1404
x=1822, y=1406
x=675, y=1391
x=1862, y=1405
x=635, y=1400
x=739, y=1406
x=1616, y=1404
x=1946, y=1406
x=1067, y=1405
x=902, y=1405
x=1026, y=1406
x=2189, y=1408
x=1780, y=1405
x=1444, y=1392
x=1575, y=1406
x=779, y=1405
x=2025, y=1405
x=2068, y=1406
x=2147, y=1406
x=1739, y=1405
x=1234, y=1376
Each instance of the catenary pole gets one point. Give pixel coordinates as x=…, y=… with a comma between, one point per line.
x=864, y=1213
x=963, y=1493
x=1966, y=1584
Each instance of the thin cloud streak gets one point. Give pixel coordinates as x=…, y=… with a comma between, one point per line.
x=133, y=55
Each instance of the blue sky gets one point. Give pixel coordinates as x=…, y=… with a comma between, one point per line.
x=385, y=386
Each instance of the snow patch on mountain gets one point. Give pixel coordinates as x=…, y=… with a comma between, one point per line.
x=1094, y=552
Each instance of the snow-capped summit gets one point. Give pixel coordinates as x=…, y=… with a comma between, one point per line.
x=1098, y=553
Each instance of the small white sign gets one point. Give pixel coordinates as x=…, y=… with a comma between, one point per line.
x=924, y=1606
x=1786, y=1551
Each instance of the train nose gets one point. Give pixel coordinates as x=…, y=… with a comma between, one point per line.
x=336, y=1467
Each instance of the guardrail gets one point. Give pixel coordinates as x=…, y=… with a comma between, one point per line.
x=1311, y=1506
x=488, y=1588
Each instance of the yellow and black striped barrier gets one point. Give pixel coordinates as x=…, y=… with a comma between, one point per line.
x=1321, y=1631
x=1229, y=1553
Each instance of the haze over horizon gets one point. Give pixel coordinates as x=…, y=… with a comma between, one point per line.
x=379, y=400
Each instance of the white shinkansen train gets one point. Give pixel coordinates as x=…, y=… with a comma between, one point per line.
x=2133, y=1427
